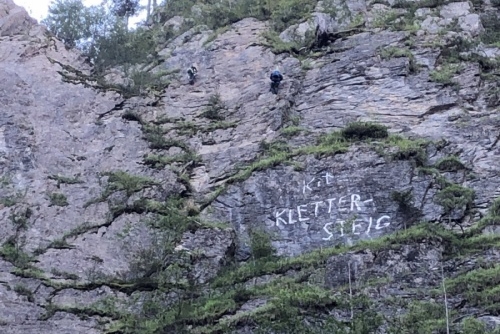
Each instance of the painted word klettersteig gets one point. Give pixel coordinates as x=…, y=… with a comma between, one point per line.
x=342, y=205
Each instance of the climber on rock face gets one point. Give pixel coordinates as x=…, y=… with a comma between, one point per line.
x=192, y=73
x=276, y=78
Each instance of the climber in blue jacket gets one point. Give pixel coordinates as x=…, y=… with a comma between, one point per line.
x=192, y=71
x=276, y=78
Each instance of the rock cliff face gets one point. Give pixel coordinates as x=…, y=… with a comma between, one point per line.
x=342, y=202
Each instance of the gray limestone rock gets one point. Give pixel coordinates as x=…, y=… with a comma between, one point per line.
x=332, y=202
x=52, y=130
x=174, y=23
x=491, y=322
x=455, y=10
x=14, y=20
x=319, y=24
x=212, y=247
x=471, y=24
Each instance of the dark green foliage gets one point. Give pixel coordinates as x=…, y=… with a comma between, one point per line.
x=289, y=304
x=473, y=326
x=477, y=4
x=422, y=317
x=450, y=164
x=411, y=152
x=274, y=148
x=366, y=322
x=221, y=13
x=296, y=45
x=175, y=7
x=364, y=130
x=457, y=50
x=216, y=14
x=491, y=24
x=155, y=135
x=291, y=131
x=395, y=52
x=173, y=218
x=219, y=125
x=141, y=82
x=445, y=74
x=295, y=305
x=123, y=47
x=332, y=138
x=64, y=180
x=20, y=219
x=67, y=20
x=160, y=161
x=214, y=109
x=494, y=209
x=122, y=181
x=403, y=198
x=454, y=197
x=288, y=12
x=100, y=35
x=125, y=7
x=11, y=252
x=480, y=288
x=8, y=201
x=130, y=115
x=58, y=199
x=408, y=149
x=260, y=243
x=24, y=291
x=64, y=274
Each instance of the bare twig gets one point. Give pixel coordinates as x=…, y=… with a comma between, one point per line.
x=445, y=302
x=350, y=289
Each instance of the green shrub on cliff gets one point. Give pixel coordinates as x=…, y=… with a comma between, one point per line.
x=364, y=130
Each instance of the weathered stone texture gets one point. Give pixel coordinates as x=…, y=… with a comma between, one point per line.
x=49, y=128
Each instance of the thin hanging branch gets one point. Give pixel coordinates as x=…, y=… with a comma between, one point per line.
x=445, y=302
x=350, y=289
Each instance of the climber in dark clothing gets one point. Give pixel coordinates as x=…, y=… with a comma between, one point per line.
x=276, y=78
x=192, y=73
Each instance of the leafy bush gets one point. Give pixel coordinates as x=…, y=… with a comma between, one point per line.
x=451, y=164
x=473, y=326
x=409, y=149
x=122, y=181
x=215, y=108
x=296, y=45
x=454, y=196
x=260, y=243
x=423, y=317
x=58, y=199
x=494, y=209
x=361, y=131
x=100, y=35
x=142, y=81
x=288, y=12
x=216, y=14
x=13, y=253
x=70, y=21
x=444, y=75
x=403, y=198
x=274, y=147
x=122, y=47
x=491, y=24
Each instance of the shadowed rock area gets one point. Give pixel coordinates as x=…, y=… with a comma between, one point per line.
x=340, y=205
